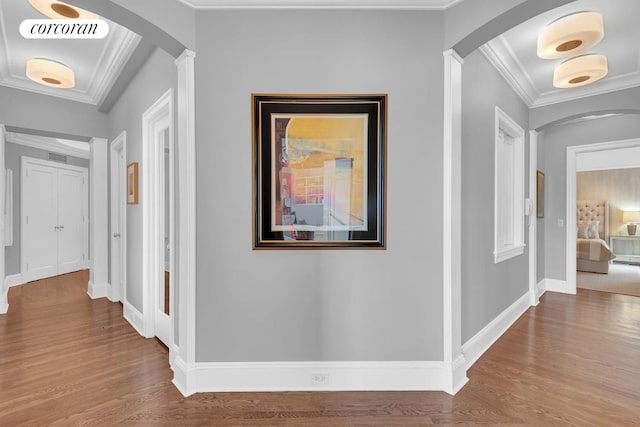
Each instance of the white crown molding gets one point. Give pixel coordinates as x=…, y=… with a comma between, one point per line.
x=322, y=4
x=613, y=84
x=45, y=143
x=114, y=57
x=501, y=56
x=121, y=44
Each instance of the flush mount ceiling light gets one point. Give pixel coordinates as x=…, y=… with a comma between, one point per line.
x=580, y=71
x=50, y=73
x=570, y=34
x=60, y=10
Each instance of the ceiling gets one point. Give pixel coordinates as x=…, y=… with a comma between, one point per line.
x=319, y=4
x=514, y=53
x=97, y=63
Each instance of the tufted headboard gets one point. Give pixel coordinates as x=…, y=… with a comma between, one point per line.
x=594, y=210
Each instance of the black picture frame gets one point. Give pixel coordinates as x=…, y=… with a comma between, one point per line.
x=319, y=171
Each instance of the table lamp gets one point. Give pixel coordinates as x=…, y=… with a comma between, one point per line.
x=631, y=217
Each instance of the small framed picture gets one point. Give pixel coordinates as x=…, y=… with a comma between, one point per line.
x=540, y=194
x=132, y=183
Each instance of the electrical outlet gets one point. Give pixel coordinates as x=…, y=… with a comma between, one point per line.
x=319, y=378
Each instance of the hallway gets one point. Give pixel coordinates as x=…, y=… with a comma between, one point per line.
x=68, y=360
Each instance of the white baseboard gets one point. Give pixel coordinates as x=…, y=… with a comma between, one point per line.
x=480, y=342
x=4, y=304
x=455, y=375
x=541, y=288
x=553, y=285
x=14, y=280
x=134, y=317
x=309, y=376
x=96, y=290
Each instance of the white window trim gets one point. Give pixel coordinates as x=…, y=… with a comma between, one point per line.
x=516, y=247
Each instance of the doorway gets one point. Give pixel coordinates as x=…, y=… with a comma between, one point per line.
x=118, y=218
x=158, y=218
x=596, y=152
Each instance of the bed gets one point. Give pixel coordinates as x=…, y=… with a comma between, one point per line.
x=592, y=251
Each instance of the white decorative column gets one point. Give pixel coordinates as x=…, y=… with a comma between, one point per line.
x=99, y=219
x=4, y=304
x=184, y=361
x=455, y=364
x=534, y=297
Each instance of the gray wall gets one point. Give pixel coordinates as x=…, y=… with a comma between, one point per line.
x=23, y=109
x=554, y=142
x=155, y=77
x=319, y=305
x=487, y=288
x=13, y=153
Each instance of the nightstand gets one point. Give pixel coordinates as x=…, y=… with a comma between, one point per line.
x=626, y=248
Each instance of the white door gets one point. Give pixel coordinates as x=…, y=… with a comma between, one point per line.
x=39, y=221
x=72, y=226
x=157, y=136
x=162, y=288
x=54, y=218
x=118, y=221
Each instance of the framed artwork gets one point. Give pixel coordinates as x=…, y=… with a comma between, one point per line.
x=132, y=183
x=319, y=171
x=540, y=194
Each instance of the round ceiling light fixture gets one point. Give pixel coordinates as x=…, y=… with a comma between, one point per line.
x=580, y=71
x=50, y=73
x=60, y=10
x=570, y=34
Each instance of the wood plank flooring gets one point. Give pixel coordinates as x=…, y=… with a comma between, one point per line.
x=69, y=361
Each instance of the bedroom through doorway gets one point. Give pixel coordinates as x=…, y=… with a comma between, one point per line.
x=607, y=209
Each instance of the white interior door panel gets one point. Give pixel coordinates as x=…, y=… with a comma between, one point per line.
x=72, y=206
x=39, y=221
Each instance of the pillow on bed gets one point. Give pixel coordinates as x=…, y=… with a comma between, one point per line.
x=594, y=230
x=589, y=230
x=583, y=228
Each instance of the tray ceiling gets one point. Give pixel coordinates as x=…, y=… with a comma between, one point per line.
x=96, y=63
x=514, y=53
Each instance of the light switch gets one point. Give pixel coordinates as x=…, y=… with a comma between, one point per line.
x=561, y=223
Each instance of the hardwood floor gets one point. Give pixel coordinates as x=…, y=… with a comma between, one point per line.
x=68, y=360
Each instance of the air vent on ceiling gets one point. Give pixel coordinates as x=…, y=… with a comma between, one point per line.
x=57, y=157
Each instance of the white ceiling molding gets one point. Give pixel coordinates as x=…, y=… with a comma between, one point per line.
x=114, y=57
x=47, y=144
x=322, y=4
x=120, y=45
x=499, y=54
x=612, y=84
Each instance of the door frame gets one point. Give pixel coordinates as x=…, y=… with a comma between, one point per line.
x=25, y=277
x=119, y=144
x=4, y=303
x=572, y=155
x=534, y=292
x=156, y=118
